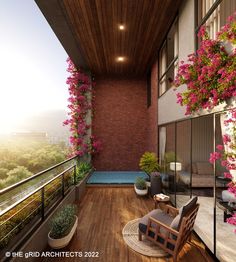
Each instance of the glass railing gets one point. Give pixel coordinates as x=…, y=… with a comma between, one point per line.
x=24, y=205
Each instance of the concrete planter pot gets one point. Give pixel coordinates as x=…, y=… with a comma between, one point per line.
x=81, y=187
x=141, y=192
x=64, y=241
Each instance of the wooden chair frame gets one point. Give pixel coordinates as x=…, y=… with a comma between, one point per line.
x=171, y=236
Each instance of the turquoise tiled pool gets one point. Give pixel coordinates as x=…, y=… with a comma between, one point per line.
x=115, y=177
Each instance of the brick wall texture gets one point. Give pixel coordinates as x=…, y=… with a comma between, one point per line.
x=123, y=123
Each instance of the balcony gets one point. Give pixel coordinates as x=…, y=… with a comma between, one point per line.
x=103, y=211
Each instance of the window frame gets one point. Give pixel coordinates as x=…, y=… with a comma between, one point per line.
x=200, y=21
x=173, y=61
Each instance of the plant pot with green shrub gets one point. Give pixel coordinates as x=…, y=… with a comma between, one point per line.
x=63, y=226
x=140, y=186
x=148, y=164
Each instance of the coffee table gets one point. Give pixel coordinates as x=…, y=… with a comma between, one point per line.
x=161, y=202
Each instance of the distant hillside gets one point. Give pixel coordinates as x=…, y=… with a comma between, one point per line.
x=48, y=121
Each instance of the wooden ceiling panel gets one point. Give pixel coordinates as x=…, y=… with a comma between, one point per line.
x=94, y=28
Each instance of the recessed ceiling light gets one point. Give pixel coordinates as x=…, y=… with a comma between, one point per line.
x=120, y=58
x=121, y=27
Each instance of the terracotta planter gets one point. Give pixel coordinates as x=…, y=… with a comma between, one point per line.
x=64, y=241
x=140, y=192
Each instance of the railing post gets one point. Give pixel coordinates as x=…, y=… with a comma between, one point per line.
x=42, y=203
x=75, y=175
x=63, y=184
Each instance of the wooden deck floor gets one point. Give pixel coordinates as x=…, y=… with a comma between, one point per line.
x=103, y=213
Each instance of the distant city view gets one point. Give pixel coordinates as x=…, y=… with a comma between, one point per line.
x=34, y=94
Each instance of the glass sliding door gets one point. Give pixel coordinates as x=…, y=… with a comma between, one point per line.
x=183, y=162
x=203, y=176
x=167, y=142
x=225, y=237
x=184, y=152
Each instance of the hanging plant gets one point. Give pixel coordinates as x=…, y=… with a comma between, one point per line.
x=226, y=153
x=80, y=105
x=228, y=31
x=210, y=73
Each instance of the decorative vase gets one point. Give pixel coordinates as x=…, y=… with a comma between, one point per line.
x=57, y=243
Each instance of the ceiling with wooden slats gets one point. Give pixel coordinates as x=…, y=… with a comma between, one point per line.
x=89, y=32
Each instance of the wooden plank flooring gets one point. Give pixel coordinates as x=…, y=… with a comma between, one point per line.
x=103, y=213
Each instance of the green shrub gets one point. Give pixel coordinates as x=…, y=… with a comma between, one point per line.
x=3, y=173
x=63, y=221
x=83, y=168
x=148, y=163
x=140, y=183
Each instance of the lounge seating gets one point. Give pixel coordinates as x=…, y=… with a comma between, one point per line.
x=170, y=228
x=202, y=175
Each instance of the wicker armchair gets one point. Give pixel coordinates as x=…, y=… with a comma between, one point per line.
x=171, y=228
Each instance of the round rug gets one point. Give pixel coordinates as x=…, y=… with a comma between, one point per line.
x=144, y=247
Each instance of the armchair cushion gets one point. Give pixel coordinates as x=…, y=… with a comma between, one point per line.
x=158, y=215
x=189, y=206
x=175, y=224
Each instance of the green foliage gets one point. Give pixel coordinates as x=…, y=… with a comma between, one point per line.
x=82, y=169
x=148, y=163
x=15, y=175
x=3, y=173
x=63, y=221
x=140, y=183
x=24, y=158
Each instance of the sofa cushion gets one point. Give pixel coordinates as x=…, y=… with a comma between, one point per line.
x=204, y=168
x=158, y=215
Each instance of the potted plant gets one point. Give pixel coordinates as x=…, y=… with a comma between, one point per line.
x=63, y=226
x=82, y=170
x=140, y=186
x=148, y=164
x=156, y=185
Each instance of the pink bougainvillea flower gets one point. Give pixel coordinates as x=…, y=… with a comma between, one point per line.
x=81, y=92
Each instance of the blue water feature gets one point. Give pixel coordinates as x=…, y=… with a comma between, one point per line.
x=115, y=177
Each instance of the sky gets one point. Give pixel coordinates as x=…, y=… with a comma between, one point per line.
x=32, y=65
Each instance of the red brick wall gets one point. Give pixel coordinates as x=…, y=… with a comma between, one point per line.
x=120, y=122
x=152, y=139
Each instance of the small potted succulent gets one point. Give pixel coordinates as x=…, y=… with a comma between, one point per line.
x=140, y=186
x=63, y=226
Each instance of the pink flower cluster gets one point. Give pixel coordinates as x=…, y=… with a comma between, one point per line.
x=228, y=31
x=80, y=104
x=210, y=75
x=227, y=153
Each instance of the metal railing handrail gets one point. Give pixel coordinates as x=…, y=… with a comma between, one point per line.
x=35, y=191
x=7, y=189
